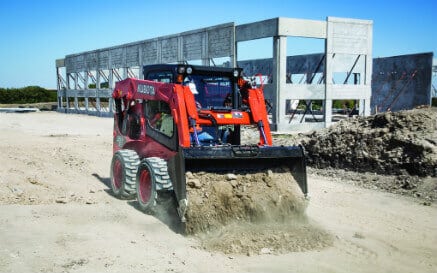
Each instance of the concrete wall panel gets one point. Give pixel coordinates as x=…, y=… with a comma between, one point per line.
x=221, y=42
x=401, y=82
x=169, y=50
x=192, y=46
x=257, y=30
x=132, y=56
x=103, y=59
x=349, y=36
x=149, y=52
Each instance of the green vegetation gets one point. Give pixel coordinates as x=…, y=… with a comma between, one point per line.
x=29, y=94
x=102, y=85
x=316, y=104
x=341, y=104
x=336, y=104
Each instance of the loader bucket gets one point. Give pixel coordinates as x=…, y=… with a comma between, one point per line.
x=236, y=158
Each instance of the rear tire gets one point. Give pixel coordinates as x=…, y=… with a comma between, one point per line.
x=152, y=178
x=124, y=168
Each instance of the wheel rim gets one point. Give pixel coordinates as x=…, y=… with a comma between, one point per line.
x=145, y=187
x=118, y=174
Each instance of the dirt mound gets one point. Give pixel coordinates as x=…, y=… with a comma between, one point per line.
x=392, y=151
x=250, y=213
x=395, y=143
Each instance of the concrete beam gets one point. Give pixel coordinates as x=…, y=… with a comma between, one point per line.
x=252, y=31
x=301, y=28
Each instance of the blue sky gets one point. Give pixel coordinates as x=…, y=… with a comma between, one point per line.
x=36, y=33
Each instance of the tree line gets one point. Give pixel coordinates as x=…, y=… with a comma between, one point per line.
x=28, y=94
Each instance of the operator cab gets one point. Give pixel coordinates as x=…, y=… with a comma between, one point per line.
x=214, y=88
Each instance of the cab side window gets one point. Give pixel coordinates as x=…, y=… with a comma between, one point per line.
x=131, y=122
x=120, y=107
x=159, y=117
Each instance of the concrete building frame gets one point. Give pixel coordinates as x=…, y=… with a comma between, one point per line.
x=85, y=80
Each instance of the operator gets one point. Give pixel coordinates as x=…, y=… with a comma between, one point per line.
x=228, y=101
x=165, y=124
x=163, y=120
x=190, y=83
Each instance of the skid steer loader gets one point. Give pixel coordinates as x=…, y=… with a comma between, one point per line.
x=189, y=118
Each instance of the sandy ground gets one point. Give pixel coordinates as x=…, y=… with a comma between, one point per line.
x=57, y=215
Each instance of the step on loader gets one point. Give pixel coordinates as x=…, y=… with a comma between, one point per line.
x=186, y=118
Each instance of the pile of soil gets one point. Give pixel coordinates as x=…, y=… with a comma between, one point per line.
x=392, y=151
x=250, y=213
x=395, y=143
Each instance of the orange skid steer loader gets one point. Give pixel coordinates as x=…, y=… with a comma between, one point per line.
x=189, y=118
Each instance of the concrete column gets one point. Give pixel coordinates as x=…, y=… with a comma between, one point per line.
x=368, y=76
x=98, y=108
x=206, y=62
x=76, y=87
x=76, y=103
x=111, y=78
x=86, y=83
x=67, y=99
x=180, y=57
x=279, y=81
x=328, y=89
x=111, y=105
x=59, y=88
x=86, y=80
x=86, y=104
x=140, y=64
x=234, y=58
x=97, y=90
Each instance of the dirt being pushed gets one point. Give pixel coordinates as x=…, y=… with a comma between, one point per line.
x=252, y=213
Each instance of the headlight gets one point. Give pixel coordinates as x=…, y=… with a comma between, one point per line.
x=189, y=70
x=181, y=69
x=236, y=73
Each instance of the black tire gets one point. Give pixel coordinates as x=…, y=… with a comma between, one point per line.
x=152, y=177
x=124, y=168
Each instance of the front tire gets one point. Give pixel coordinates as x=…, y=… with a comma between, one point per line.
x=152, y=177
x=124, y=168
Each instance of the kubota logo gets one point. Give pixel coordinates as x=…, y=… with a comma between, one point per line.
x=146, y=89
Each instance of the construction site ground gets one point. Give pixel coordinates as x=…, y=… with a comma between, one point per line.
x=57, y=215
